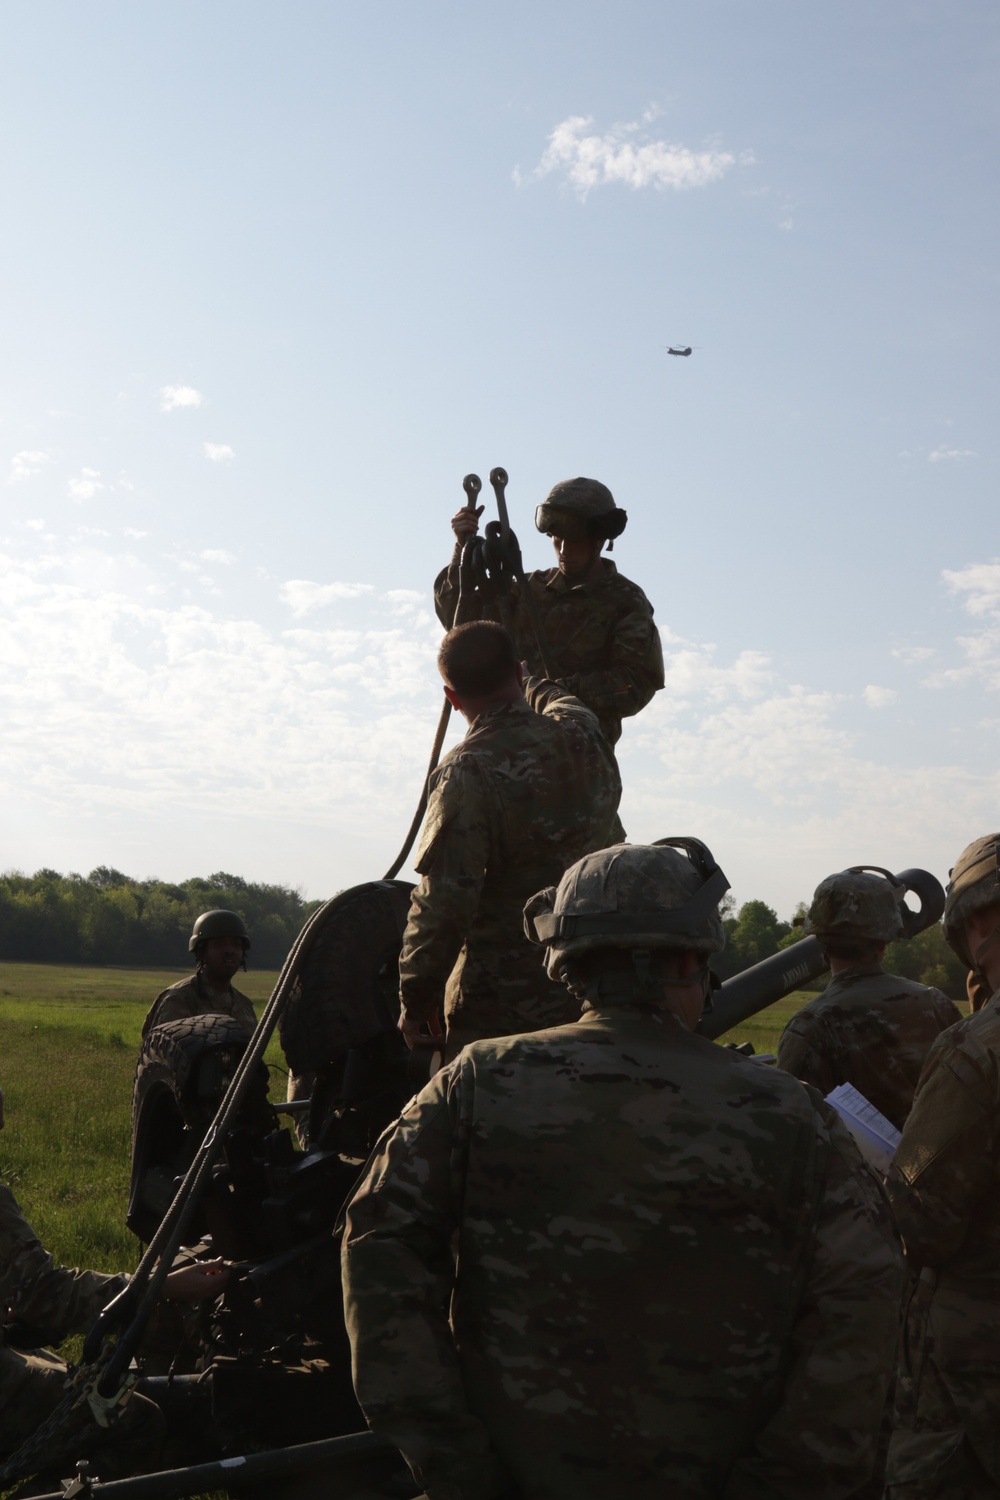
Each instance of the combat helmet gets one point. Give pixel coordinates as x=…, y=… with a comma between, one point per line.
x=973, y=882
x=860, y=903
x=218, y=924
x=631, y=896
x=580, y=508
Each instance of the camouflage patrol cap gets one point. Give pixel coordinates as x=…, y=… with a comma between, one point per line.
x=217, y=924
x=633, y=896
x=861, y=902
x=576, y=508
x=974, y=882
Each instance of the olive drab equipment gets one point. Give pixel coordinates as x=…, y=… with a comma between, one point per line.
x=580, y=508
x=974, y=882
x=218, y=924
x=632, y=896
x=862, y=902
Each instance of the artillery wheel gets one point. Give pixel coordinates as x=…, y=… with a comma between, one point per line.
x=338, y=1030
x=347, y=988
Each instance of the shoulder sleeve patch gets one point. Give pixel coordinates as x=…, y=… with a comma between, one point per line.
x=442, y=809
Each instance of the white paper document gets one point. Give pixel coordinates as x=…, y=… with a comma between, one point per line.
x=875, y=1137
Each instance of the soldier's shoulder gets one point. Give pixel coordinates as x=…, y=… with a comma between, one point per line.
x=179, y=990
x=975, y=1037
x=625, y=593
x=928, y=992
x=579, y=1046
x=981, y=1029
x=772, y=1085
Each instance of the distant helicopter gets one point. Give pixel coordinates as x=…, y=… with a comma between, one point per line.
x=678, y=349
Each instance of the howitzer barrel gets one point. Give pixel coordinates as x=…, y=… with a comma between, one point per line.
x=773, y=978
x=247, y=1472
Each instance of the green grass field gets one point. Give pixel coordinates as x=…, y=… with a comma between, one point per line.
x=68, y=1043
x=69, y=1038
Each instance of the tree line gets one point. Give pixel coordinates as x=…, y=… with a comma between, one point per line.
x=106, y=917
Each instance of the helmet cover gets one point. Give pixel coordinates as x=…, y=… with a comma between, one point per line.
x=579, y=508
x=974, y=882
x=857, y=903
x=632, y=896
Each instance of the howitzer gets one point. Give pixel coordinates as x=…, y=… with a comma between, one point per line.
x=760, y=986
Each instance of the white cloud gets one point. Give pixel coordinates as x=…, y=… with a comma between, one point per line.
x=978, y=587
x=301, y=596
x=26, y=463
x=879, y=697
x=217, y=555
x=979, y=583
x=914, y=656
x=219, y=453
x=86, y=487
x=321, y=732
x=625, y=154
x=940, y=455
x=174, y=396
x=130, y=531
x=37, y=524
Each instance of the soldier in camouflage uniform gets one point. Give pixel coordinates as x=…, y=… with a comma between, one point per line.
x=868, y=1028
x=612, y=1258
x=603, y=646
x=944, y=1184
x=219, y=942
x=41, y=1302
x=531, y=788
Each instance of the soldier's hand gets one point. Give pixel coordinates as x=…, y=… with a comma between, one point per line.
x=205, y=1278
x=414, y=1031
x=465, y=522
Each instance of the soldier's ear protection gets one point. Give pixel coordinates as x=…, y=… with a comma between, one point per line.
x=612, y=525
x=551, y=520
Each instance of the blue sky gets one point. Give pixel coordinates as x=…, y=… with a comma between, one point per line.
x=276, y=277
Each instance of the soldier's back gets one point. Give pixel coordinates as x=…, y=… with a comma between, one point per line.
x=869, y=1029
x=555, y=783
x=637, y=1205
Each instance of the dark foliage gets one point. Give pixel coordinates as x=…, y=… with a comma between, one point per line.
x=109, y=918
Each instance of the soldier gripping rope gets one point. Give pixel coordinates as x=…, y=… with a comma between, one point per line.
x=944, y=1185
x=868, y=1028
x=676, y=1275
x=219, y=941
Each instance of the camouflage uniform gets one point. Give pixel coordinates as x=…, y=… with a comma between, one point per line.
x=53, y=1302
x=667, y=1271
x=531, y=788
x=944, y=1185
x=870, y=1029
x=603, y=645
x=192, y=997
